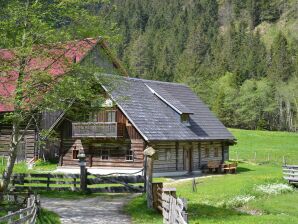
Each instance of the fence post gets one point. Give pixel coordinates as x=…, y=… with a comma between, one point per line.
x=29, y=203
x=155, y=187
x=149, y=153
x=10, y=219
x=48, y=182
x=237, y=158
x=184, y=213
x=83, y=172
x=255, y=157
x=194, y=185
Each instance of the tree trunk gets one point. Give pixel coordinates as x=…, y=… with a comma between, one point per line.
x=13, y=148
x=15, y=136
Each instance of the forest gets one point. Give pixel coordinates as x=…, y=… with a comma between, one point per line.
x=240, y=57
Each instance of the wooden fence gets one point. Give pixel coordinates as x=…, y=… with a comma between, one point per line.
x=173, y=209
x=290, y=173
x=26, y=215
x=71, y=182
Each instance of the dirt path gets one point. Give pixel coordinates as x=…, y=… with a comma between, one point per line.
x=97, y=210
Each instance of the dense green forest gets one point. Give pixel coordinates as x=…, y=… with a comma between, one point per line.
x=239, y=56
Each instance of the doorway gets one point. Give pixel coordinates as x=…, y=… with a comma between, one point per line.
x=187, y=158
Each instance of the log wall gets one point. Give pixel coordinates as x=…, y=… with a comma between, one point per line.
x=175, y=161
x=28, y=144
x=211, y=147
x=92, y=149
x=165, y=160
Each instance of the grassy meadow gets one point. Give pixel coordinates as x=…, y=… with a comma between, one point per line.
x=232, y=199
x=265, y=146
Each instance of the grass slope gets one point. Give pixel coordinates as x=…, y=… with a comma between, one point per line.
x=276, y=144
x=211, y=203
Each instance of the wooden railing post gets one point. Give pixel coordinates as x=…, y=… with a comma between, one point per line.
x=10, y=220
x=29, y=203
x=156, y=187
x=149, y=153
x=83, y=172
x=48, y=181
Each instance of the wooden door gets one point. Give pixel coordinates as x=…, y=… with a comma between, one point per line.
x=187, y=158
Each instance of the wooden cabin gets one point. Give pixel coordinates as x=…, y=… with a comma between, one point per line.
x=90, y=51
x=141, y=113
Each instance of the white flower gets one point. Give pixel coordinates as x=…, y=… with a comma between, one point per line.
x=274, y=188
x=240, y=200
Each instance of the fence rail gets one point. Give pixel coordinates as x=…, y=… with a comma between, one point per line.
x=71, y=182
x=264, y=157
x=290, y=173
x=173, y=209
x=25, y=215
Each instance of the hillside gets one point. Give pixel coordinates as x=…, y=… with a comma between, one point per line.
x=229, y=52
x=265, y=146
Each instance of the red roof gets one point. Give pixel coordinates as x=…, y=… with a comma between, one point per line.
x=56, y=62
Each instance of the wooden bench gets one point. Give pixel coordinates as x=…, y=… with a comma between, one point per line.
x=230, y=168
x=214, y=165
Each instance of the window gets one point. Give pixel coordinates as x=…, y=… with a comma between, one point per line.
x=168, y=154
x=75, y=153
x=129, y=155
x=185, y=119
x=206, y=152
x=105, y=154
x=111, y=116
x=216, y=152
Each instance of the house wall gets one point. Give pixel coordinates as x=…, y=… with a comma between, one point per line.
x=26, y=147
x=211, y=147
x=130, y=139
x=170, y=155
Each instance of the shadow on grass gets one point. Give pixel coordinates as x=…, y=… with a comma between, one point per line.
x=198, y=212
x=243, y=170
x=47, y=217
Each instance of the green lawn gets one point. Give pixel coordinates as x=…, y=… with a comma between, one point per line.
x=23, y=168
x=216, y=198
x=276, y=144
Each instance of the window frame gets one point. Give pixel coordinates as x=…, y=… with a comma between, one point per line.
x=207, y=152
x=103, y=156
x=216, y=152
x=168, y=154
x=129, y=155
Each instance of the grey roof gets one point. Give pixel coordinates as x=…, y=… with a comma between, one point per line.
x=154, y=108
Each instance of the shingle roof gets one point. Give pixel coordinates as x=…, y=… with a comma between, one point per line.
x=153, y=107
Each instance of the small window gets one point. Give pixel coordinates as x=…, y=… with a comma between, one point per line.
x=129, y=155
x=168, y=154
x=206, y=152
x=75, y=153
x=216, y=152
x=185, y=119
x=111, y=116
x=105, y=154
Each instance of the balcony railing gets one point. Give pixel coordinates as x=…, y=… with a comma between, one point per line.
x=95, y=129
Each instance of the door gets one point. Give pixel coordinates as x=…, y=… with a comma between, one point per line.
x=187, y=158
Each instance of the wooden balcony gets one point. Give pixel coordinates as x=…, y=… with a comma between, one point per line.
x=96, y=130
